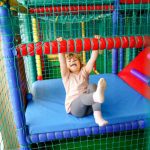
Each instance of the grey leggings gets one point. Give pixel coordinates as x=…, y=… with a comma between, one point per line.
x=84, y=104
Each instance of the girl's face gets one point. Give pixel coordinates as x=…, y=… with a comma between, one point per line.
x=73, y=64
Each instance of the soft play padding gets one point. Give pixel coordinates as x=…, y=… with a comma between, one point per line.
x=142, y=64
x=46, y=113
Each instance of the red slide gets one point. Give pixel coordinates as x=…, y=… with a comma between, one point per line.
x=142, y=64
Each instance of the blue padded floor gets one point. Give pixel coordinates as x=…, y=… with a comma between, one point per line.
x=46, y=113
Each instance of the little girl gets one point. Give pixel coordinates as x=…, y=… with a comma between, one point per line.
x=82, y=98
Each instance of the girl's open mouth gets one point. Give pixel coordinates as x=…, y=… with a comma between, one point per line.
x=73, y=65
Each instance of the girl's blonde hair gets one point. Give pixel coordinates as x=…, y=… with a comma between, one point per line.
x=70, y=55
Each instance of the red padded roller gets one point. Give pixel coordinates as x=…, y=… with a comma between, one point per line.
x=30, y=49
x=146, y=41
x=82, y=8
x=39, y=48
x=102, y=43
x=71, y=45
x=63, y=46
x=54, y=46
x=72, y=8
x=79, y=45
x=95, y=44
x=47, y=48
x=139, y=41
x=117, y=43
x=125, y=42
x=132, y=42
x=87, y=44
x=110, y=43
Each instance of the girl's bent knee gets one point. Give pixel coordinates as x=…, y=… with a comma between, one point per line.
x=78, y=115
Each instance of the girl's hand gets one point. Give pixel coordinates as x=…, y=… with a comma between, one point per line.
x=59, y=39
x=97, y=36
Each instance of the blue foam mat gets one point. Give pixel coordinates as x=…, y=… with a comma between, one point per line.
x=46, y=113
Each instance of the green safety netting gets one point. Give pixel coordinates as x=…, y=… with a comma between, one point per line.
x=129, y=140
x=36, y=3
x=8, y=137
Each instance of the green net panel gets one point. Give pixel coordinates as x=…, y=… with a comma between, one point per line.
x=129, y=140
x=44, y=20
x=37, y=3
x=8, y=138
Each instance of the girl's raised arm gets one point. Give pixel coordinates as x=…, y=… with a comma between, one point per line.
x=90, y=64
x=61, y=56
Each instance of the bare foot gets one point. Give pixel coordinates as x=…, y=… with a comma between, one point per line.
x=99, y=119
x=98, y=96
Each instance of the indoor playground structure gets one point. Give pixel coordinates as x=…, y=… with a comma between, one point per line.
x=32, y=112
